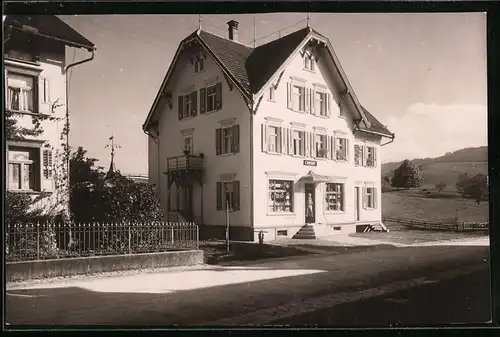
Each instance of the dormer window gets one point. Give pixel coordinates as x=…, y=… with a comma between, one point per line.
x=199, y=65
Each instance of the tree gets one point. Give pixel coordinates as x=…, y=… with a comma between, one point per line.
x=386, y=184
x=477, y=187
x=462, y=182
x=96, y=197
x=407, y=176
x=440, y=187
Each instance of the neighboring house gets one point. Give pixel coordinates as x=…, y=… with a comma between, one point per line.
x=35, y=90
x=138, y=178
x=275, y=133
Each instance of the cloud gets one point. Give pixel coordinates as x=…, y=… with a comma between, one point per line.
x=431, y=130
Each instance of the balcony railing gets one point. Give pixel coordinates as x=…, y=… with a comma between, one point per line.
x=184, y=163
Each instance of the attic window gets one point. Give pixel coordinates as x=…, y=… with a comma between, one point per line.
x=308, y=62
x=199, y=65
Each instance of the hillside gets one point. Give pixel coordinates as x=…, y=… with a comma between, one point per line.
x=447, y=168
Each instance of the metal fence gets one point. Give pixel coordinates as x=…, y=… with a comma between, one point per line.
x=38, y=241
x=458, y=226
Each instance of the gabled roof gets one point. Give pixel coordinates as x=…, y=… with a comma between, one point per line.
x=49, y=26
x=266, y=59
x=252, y=68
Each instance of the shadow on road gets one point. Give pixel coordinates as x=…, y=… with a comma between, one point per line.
x=163, y=302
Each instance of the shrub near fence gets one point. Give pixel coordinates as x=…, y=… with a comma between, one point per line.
x=455, y=226
x=49, y=241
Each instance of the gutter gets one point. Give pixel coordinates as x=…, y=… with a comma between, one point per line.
x=392, y=139
x=66, y=68
x=252, y=113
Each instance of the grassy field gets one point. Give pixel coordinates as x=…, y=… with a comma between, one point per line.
x=432, y=206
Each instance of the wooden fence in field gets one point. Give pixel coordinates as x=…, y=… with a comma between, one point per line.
x=457, y=226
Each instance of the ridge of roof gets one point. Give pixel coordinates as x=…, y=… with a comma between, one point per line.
x=252, y=67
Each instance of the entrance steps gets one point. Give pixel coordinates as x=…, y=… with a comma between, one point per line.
x=376, y=227
x=306, y=232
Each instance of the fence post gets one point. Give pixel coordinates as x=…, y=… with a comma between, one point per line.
x=197, y=237
x=38, y=241
x=172, y=233
x=129, y=237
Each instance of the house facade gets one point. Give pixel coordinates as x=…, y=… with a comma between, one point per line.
x=35, y=96
x=271, y=138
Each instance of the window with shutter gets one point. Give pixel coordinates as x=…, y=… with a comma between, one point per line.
x=227, y=140
x=211, y=98
x=203, y=100
x=370, y=197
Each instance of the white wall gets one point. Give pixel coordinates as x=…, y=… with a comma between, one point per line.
x=293, y=167
x=204, y=125
x=50, y=67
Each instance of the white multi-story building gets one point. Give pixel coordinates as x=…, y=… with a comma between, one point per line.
x=36, y=97
x=274, y=133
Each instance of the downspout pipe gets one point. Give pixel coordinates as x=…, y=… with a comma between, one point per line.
x=66, y=68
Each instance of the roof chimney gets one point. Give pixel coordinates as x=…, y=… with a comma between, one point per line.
x=233, y=30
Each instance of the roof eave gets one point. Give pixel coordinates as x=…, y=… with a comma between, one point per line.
x=89, y=47
x=350, y=90
x=386, y=135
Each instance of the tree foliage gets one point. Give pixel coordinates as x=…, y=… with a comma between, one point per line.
x=440, y=187
x=386, y=184
x=462, y=182
x=96, y=197
x=477, y=188
x=407, y=176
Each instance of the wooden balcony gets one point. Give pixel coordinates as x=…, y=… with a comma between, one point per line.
x=184, y=163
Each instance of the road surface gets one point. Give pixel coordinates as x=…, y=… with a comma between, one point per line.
x=256, y=294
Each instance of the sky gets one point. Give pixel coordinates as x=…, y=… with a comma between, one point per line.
x=422, y=75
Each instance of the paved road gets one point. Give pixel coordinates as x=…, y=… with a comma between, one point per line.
x=259, y=293
x=462, y=299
